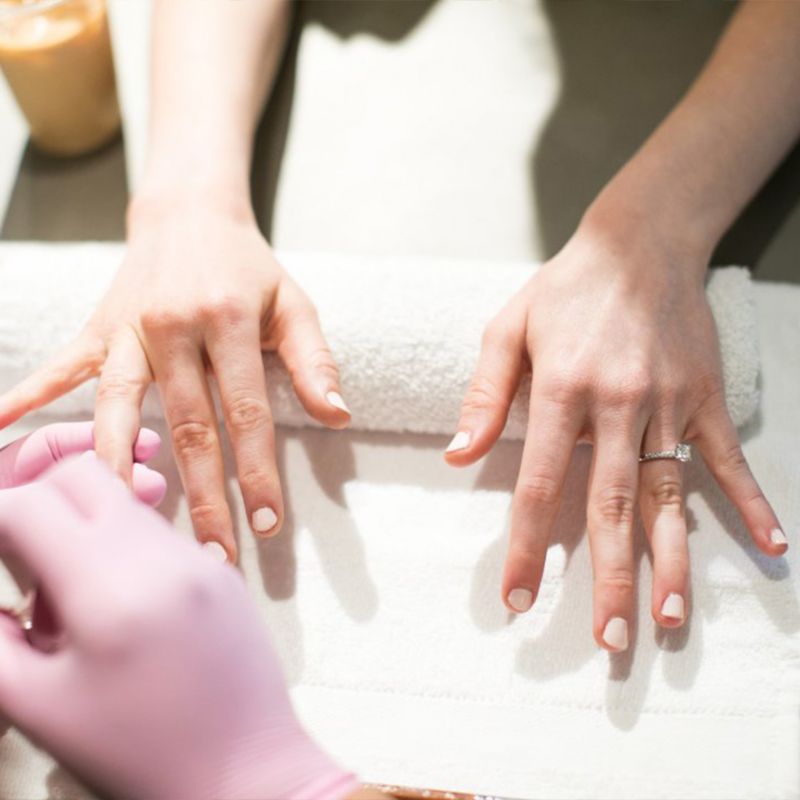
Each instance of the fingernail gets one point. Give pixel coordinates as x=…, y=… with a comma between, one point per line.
x=264, y=519
x=777, y=536
x=615, y=634
x=520, y=599
x=337, y=401
x=216, y=551
x=459, y=442
x=673, y=607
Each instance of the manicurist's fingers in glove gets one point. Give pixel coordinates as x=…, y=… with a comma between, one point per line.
x=163, y=682
x=27, y=458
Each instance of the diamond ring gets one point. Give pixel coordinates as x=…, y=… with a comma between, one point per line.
x=682, y=452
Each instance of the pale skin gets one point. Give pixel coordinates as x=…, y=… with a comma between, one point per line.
x=622, y=344
x=201, y=290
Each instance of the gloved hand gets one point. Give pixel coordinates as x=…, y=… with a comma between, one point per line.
x=26, y=459
x=165, y=685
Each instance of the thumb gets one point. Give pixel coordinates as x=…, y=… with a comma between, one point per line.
x=303, y=349
x=485, y=407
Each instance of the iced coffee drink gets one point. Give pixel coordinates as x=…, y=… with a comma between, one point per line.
x=56, y=56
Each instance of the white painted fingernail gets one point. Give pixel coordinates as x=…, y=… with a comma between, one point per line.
x=777, y=536
x=337, y=401
x=615, y=634
x=673, y=607
x=216, y=551
x=520, y=599
x=264, y=519
x=459, y=442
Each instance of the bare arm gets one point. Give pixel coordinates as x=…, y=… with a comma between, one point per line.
x=622, y=343
x=213, y=65
x=721, y=142
x=199, y=287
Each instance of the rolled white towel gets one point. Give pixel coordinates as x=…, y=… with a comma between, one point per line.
x=405, y=331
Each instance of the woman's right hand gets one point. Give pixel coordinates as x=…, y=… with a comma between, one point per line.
x=168, y=691
x=199, y=291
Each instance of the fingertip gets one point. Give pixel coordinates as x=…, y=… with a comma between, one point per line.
x=466, y=447
x=335, y=412
x=613, y=636
x=327, y=407
x=520, y=599
x=147, y=445
x=217, y=551
x=670, y=612
x=265, y=522
x=778, y=543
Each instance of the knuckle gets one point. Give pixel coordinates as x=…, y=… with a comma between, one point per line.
x=162, y=320
x=116, y=386
x=319, y=362
x=635, y=389
x=222, y=310
x=205, y=516
x=666, y=492
x=616, y=579
x=481, y=395
x=193, y=438
x=540, y=490
x=320, y=359
x=256, y=479
x=614, y=507
x=566, y=387
x=247, y=413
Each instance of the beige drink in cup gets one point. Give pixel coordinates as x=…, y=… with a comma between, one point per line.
x=56, y=56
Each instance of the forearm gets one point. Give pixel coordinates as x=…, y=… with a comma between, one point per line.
x=717, y=147
x=213, y=64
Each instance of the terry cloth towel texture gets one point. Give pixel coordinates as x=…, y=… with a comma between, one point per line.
x=405, y=332
x=382, y=594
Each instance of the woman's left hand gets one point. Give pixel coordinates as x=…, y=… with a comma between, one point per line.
x=624, y=354
x=26, y=459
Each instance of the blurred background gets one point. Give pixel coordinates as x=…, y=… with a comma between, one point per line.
x=445, y=127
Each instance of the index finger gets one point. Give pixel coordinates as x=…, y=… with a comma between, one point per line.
x=74, y=365
x=120, y=392
x=553, y=428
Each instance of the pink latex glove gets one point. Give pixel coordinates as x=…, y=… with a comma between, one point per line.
x=26, y=459
x=165, y=685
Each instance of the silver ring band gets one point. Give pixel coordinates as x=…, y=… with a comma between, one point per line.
x=682, y=452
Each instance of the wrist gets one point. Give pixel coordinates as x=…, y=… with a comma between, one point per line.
x=154, y=203
x=649, y=200
x=285, y=763
x=646, y=233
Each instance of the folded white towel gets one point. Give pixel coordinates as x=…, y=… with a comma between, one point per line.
x=382, y=592
x=405, y=332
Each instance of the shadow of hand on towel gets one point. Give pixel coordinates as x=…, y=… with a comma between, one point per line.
x=777, y=594
x=561, y=642
x=336, y=538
